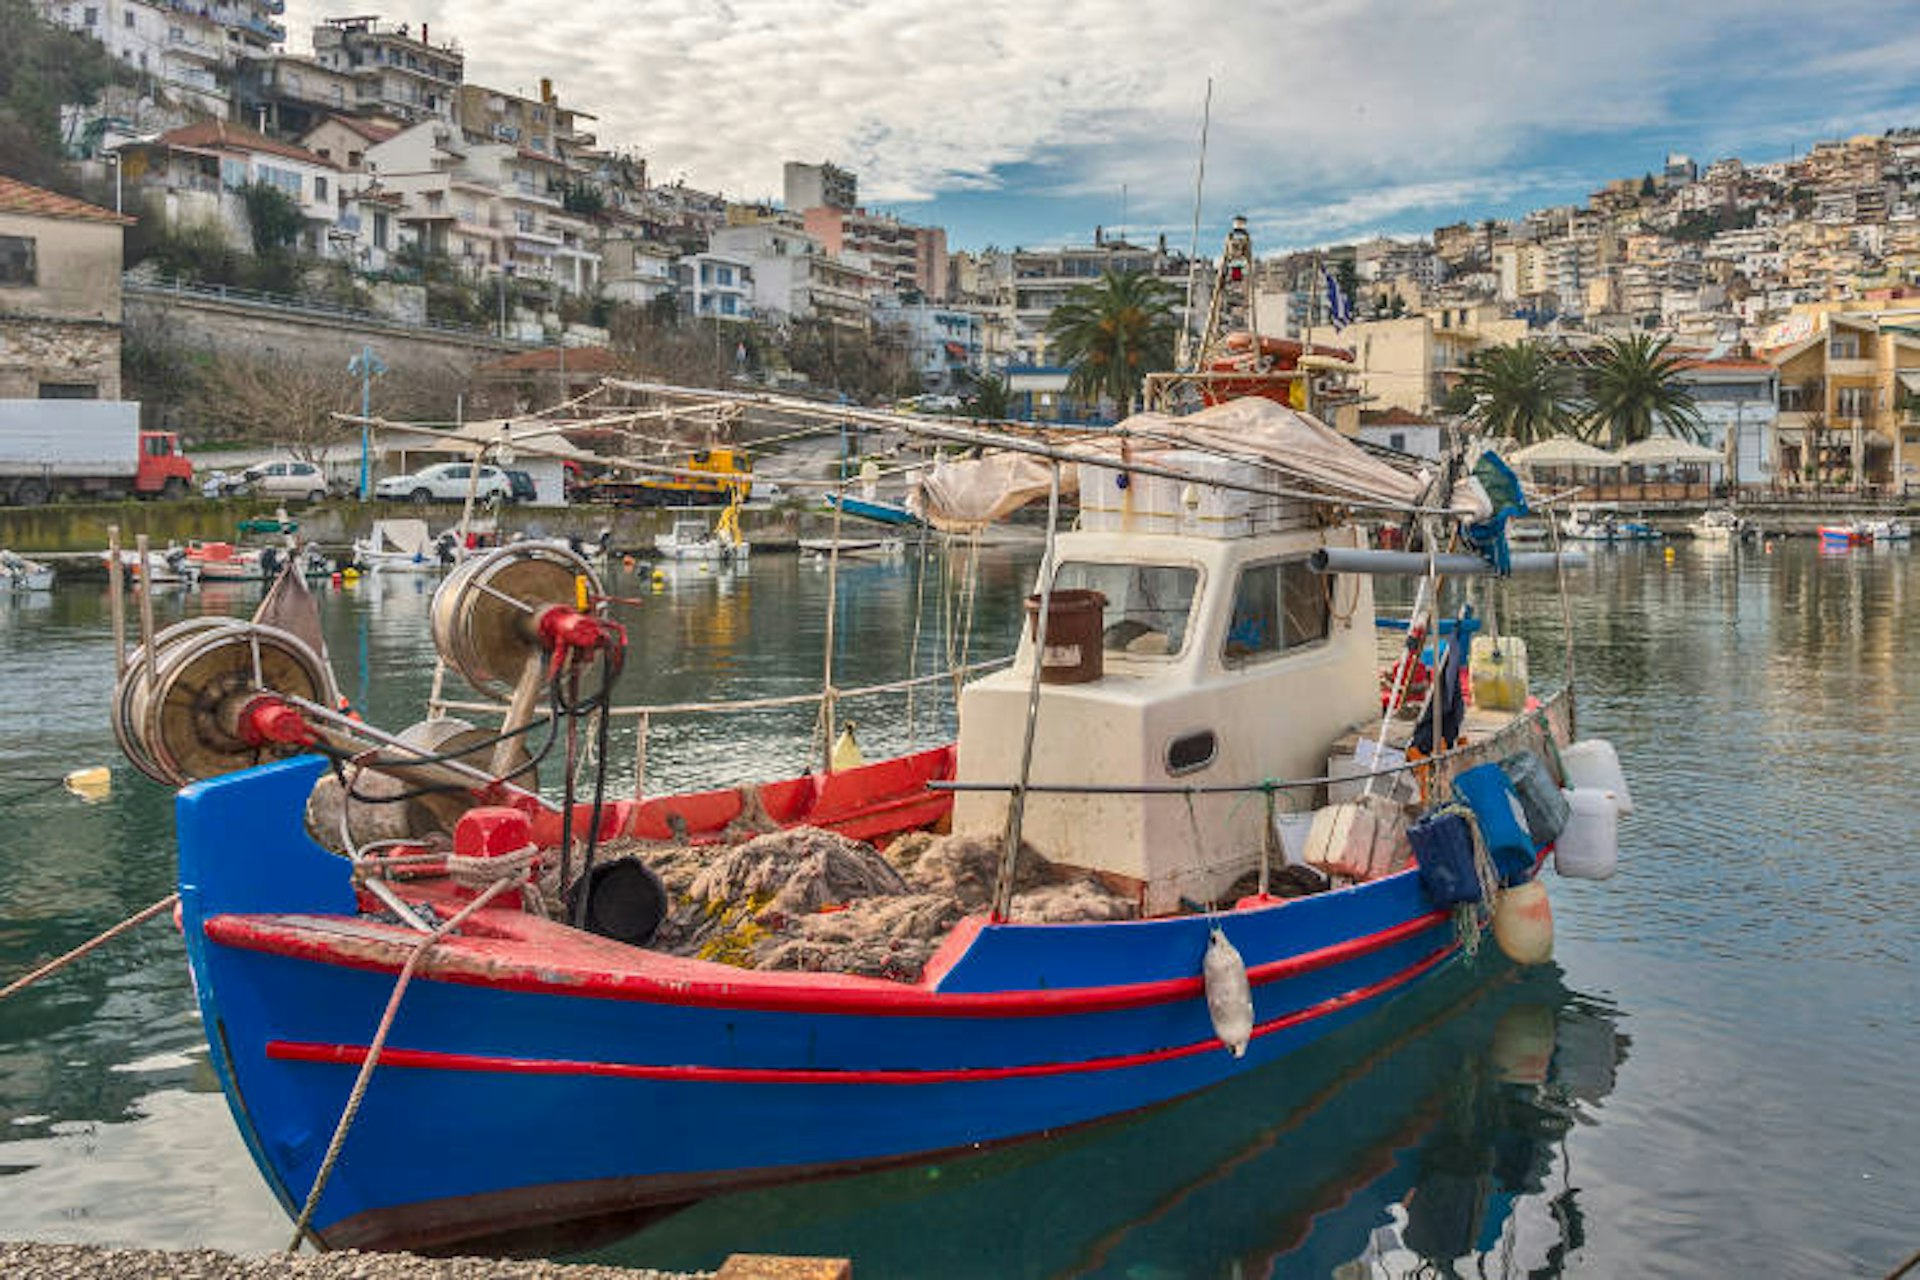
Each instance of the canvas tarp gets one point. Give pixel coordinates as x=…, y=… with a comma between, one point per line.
x=1563, y=451
x=409, y=537
x=1285, y=450
x=1657, y=450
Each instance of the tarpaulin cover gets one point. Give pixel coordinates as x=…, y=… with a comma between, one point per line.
x=1284, y=449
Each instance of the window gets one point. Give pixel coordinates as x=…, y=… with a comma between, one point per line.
x=92, y=17
x=1850, y=402
x=1277, y=606
x=1148, y=605
x=68, y=391
x=128, y=15
x=17, y=265
x=1844, y=345
x=319, y=188
x=285, y=179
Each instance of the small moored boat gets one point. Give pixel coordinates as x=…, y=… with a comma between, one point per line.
x=17, y=573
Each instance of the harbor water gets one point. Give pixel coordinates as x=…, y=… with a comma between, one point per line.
x=1714, y=1077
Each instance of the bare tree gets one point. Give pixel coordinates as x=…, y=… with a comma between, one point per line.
x=281, y=400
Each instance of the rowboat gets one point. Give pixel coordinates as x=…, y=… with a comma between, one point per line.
x=570, y=1015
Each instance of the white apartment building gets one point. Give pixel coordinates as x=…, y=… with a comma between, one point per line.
x=491, y=207
x=946, y=345
x=795, y=277
x=715, y=286
x=190, y=50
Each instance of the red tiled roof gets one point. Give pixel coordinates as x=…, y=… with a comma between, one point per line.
x=579, y=360
x=371, y=130
x=38, y=202
x=219, y=135
x=1393, y=416
x=1729, y=364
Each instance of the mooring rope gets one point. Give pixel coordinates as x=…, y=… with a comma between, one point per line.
x=52, y=967
x=379, y=1043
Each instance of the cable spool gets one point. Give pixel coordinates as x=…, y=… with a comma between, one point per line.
x=484, y=612
x=182, y=725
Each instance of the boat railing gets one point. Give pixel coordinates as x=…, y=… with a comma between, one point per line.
x=643, y=715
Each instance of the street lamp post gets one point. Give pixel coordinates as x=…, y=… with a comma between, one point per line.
x=367, y=366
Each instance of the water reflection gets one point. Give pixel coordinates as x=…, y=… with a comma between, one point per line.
x=1428, y=1141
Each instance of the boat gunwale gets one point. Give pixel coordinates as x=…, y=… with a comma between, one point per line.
x=701, y=984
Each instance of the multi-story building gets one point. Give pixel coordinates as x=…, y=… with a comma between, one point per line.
x=945, y=345
x=795, y=278
x=715, y=286
x=492, y=207
x=907, y=258
x=537, y=124
x=196, y=172
x=815, y=186
x=190, y=49
x=634, y=269
x=1038, y=280
x=59, y=296
x=1738, y=403
x=1847, y=378
x=288, y=95
x=395, y=73
x=1413, y=362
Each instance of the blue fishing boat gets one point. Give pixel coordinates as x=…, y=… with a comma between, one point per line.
x=868, y=508
x=477, y=1023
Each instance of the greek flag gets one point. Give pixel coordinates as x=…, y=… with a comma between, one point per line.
x=1339, y=305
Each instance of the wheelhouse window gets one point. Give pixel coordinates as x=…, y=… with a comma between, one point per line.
x=1148, y=605
x=1278, y=606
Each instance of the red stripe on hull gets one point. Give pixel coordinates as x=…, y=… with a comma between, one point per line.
x=354, y=1055
x=697, y=984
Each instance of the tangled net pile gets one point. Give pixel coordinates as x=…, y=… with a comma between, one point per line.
x=813, y=900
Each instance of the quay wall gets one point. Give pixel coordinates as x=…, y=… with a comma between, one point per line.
x=79, y=527
x=236, y=324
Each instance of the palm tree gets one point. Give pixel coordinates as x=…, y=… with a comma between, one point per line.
x=1111, y=333
x=1636, y=388
x=1520, y=390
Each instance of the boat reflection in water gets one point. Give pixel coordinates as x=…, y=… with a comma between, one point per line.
x=1439, y=1150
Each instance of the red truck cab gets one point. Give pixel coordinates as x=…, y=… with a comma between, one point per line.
x=164, y=468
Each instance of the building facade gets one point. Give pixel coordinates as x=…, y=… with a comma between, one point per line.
x=59, y=296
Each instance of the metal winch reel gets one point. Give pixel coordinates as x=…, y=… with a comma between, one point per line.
x=486, y=613
x=177, y=712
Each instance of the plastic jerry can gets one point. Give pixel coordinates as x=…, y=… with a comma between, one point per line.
x=1594, y=765
x=1589, y=848
x=1503, y=824
x=1540, y=798
x=1497, y=668
x=1443, y=846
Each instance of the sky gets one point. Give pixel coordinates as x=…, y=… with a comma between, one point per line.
x=1027, y=123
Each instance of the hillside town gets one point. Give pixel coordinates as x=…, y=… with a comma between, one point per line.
x=420, y=197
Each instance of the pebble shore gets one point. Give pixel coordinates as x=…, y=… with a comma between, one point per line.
x=28, y=1261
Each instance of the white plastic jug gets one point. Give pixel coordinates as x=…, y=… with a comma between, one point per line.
x=1595, y=766
x=1589, y=845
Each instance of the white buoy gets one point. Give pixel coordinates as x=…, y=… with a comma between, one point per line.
x=1229, y=997
x=1523, y=923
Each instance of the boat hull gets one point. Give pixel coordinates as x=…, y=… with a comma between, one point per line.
x=535, y=1075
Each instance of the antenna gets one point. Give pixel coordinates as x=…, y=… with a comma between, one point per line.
x=1193, y=245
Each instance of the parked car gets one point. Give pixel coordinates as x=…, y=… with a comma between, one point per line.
x=287, y=479
x=523, y=486
x=445, y=482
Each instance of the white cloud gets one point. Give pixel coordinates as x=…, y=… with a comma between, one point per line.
x=1401, y=102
